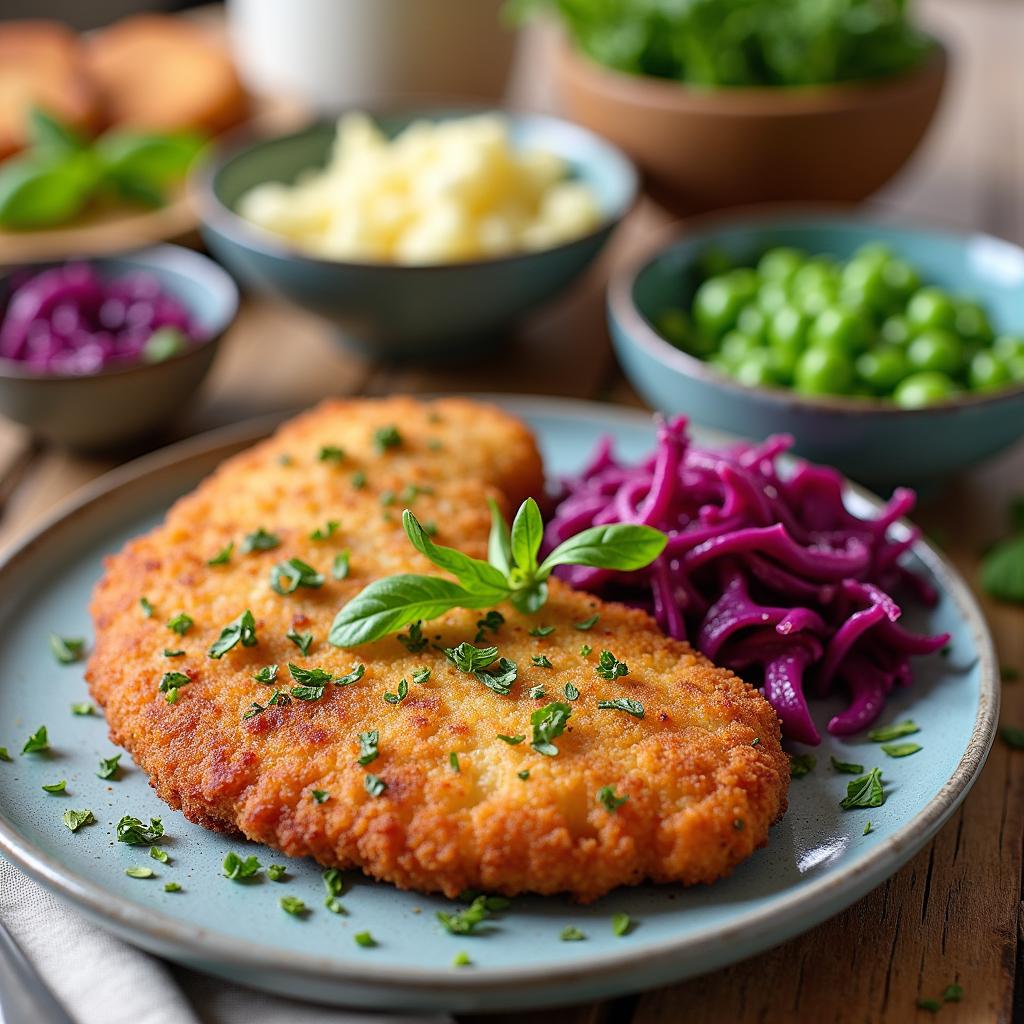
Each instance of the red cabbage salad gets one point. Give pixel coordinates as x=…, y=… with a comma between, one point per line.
x=765, y=571
x=71, y=320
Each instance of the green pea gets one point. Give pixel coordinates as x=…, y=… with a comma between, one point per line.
x=1015, y=364
x=1006, y=346
x=736, y=347
x=783, y=362
x=931, y=307
x=752, y=321
x=714, y=261
x=823, y=371
x=936, y=349
x=900, y=278
x=972, y=322
x=718, y=301
x=816, y=274
x=839, y=328
x=874, y=253
x=788, y=327
x=895, y=330
x=781, y=263
x=988, y=372
x=756, y=369
x=922, y=389
x=772, y=296
x=882, y=368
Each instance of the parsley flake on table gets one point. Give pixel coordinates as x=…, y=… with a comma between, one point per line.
x=237, y=869
x=847, y=767
x=627, y=704
x=465, y=922
x=67, y=649
x=865, y=791
x=541, y=661
x=74, y=820
x=139, y=872
x=276, y=872
x=511, y=740
x=893, y=732
x=901, y=749
x=223, y=557
x=329, y=529
x=330, y=453
x=548, y=723
x=461, y=959
x=953, y=993
x=542, y=631
x=868, y=829
x=403, y=692
x=368, y=747
x=180, y=623
x=571, y=692
x=146, y=606
x=109, y=767
x=609, y=667
x=587, y=624
x=301, y=640
x=172, y=887
x=38, y=742
x=364, y=939
x=608, y=799
x=161, y=855
x=571, y=934
x=339, y=567
x=334, y=886
x=132, y=831
x=286, y=577
x=83, y=709
x=320, y=796
x=374, y=785
x=387, y=437
x=293, y=905
x=5, y=755
x=801, y=765
x=260, y=540
x=621, y=924
x=56, y=787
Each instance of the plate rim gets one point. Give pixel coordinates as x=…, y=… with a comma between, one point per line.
x=787, y=915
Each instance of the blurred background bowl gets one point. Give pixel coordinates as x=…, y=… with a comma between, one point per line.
x=402, y=311
x=705, y=149
x=868, y=439
x=122, y=406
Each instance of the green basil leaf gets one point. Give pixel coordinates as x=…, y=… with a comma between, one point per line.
x=49, y=132
x=621, y=546
x=480, y=577
x=530, y=600
x=526, y=537
x=499, y=543
x=39, y=190
x=147, y=162
x=865, y=791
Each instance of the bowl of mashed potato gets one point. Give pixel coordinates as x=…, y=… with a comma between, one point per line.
x=416, y=235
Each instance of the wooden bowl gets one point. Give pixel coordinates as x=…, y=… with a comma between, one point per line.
x=703, y=149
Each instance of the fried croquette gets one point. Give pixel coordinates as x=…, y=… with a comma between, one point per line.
x=424, y=776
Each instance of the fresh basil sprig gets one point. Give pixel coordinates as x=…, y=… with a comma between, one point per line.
x=511, y=573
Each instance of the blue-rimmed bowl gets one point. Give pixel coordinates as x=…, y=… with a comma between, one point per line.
x=123, y=406
x=395, y=310
x=870, y=440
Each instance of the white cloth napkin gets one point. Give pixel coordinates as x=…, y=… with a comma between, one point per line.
x=102, y=980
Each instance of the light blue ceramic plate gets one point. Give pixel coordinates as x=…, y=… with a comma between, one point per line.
x=817, y=862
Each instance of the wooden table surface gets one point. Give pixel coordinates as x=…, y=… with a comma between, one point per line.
x=952, y=914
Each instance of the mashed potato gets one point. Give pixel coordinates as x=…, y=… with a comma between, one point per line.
x=439, y=192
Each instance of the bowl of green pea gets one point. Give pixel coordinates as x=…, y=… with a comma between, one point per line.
x=894, y=353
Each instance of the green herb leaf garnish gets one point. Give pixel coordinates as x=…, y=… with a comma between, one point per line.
x=368, y=747
x=67, y=649
x=139, y=872
x=286, y=577
x=334, y=886
x=901, y=749
x=266, y=674
x=374, y=785
x=223, y=556
x=132, y=831
x=238, y=869
x=260, y=540
x=180, y=623
x=173, y=652
x=301, y=640
x=109, y=767
x=865, y=791
x=609, y=667
x=397, y=698
x=293, y=905
x=172, y=887
x=326, y=531
x=572, y=934
x=587, y=623
x=549, y=723
x=542, y=631
x=364, y=939
x=608, y=799
x=801, y=764
x=847, y=767
x=541, y=661
x=146, y=606
x=37, y=742
x=56, y=787
x=386, y=438
x=241, y=630
x=82, y=709
x=893, y=732
x=571, y=692
x=465, y=922
x=74, y=820
x=621, y=924
x=453, y=761
x=276, y=872
x=161, y=855
x=627, y=704
x=320, y=796
x=339, y=567
x=511, y=740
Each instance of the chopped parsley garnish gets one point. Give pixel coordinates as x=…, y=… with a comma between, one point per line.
x=542, y=631
x=278, y=698
x=85, y=708
x=172, y=887
x=334, y=886
x=627, y=704
x=320, y=796
x=339, y=567
x=368, y=747
x=139, y=872
x=511, y=740
x=867, y=829
x=587, y=623
x=238, y=869
x=524, y=774
x=548, y=723
x=492, y=621
x=56, y=787
x=109, y=767
x=357, y=673
x=756, y=741
x=74, y=820
x=180, y=623
x=374, y=785
x=387, y=498
x=260, y=540
x=293, y=905
x=893, y=732
x=901, y=749
x=385, y=438
x=800, y=765
x=254, y=709
x=310, y=676
x=420, y=676
x=276, y=872
x=330, y=453
x=358, y=479
x=465, y=922
x=301, y=640
x=223, y=556
x=37, y=742
x=414, y=641
x=131, y=831
x=609, y=667
x=286, y=577
x=171, y=682
x=397, y=698
x=537, y=692
x=953, y=993
x=571, y=934
x=571, y=692
x=865, y=791
x=500, y=681
x=329, y=529
x=610, y=802
x=161, y=855
x=621, y=923
x=5, y=755
x=67, y=649
x=541, y=661
x=453, y=761
x=266, y=674
x=468, y=658
x=586, y=650
x=364, y=939
x=739, y=824
x=146, y=606
x=175, y=652
x=241, y=630
x=461, y=959
x=847, y=767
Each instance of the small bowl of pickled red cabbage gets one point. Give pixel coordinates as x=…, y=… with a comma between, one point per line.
x=101, y=354
x=895, y=354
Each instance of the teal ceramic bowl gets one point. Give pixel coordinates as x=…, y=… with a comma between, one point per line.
x=122, y=407
x=870, y=440
x=400, y=311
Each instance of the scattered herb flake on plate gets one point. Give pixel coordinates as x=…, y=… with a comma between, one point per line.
x=901, y=749
x=627, y=704
x=608, y=799
x=847, y=767
x=56, y=787
x=865, y=791
x=886, y=733
x=109, y=767
x=801, y=765
x=37, y=743
x=67, y=649
x=74, y=820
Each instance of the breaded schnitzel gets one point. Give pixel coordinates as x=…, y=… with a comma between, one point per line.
x=362, y=775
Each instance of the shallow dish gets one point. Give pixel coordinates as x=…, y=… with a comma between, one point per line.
x=396, y=310
x=817, y=862
x=873, y=441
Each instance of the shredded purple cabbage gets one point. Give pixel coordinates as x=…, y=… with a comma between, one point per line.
x=767, y=573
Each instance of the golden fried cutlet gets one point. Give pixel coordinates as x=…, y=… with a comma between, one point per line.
x=701, y=792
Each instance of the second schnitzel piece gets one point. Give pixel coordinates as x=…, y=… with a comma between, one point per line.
x=213, y=668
